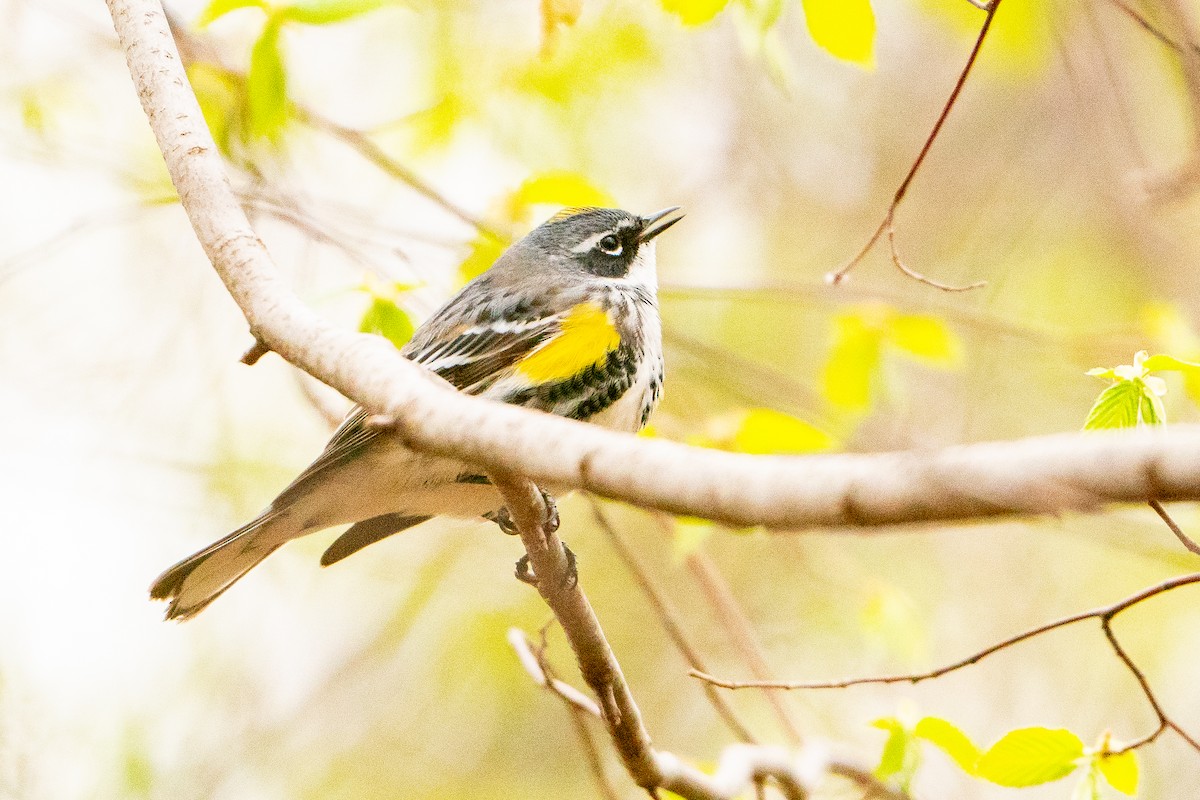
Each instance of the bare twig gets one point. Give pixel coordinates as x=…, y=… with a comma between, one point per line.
x=1183, y=538
x=919, y=277
x=579, y=705
x=1105, y=614
x=668, y=617
x=839, y=275
x=1164, y=722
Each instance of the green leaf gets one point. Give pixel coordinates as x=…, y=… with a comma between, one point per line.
x=765, y=431
x=896, y=750
x=1116, y=407
x=950, y=740
x=1120, y=770
x=925, y=337
x=219, y=8
x=844, y=28
x=266, y=85
x=388, y=320
x=1031, y=756
x=1088, y=787
x=1150, y=406
x=327, y=12
x=695, y=12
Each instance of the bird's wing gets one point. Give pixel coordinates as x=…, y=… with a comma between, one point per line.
x=470, y=358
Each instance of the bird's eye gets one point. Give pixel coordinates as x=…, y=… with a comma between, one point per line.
x=610, y=245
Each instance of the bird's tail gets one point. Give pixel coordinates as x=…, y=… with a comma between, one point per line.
x=200, y=578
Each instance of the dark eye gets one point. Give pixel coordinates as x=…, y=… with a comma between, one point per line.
x=610, y=245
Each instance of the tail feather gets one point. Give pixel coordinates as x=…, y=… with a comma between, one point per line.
x=369, y=531
x=200, y=578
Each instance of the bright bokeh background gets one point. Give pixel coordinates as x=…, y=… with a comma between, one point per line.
x=132, y=436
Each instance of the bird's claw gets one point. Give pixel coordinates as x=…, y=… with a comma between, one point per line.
x=505, y=520
x=524, y=572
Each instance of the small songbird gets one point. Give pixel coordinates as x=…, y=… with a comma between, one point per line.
x=566, y=321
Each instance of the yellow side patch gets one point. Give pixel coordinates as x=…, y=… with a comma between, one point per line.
x=586, y=338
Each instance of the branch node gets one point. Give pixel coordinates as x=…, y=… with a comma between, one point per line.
x=255, y=352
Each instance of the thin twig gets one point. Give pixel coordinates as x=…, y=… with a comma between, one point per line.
x=1104, y=612
x=917, y=276
x=535, y=665
x=1183, y=538
x=669, y=618
x=1164, y=722
x=839, y=275
x=579, y=706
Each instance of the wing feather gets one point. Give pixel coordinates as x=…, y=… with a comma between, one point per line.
x=470, y=360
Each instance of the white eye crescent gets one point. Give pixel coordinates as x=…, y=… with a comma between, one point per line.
x=610, y=245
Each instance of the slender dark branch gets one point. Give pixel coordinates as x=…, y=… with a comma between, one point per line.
x=669, y=618
x=1102, y=613
x=1164, y=721
x=989, y=10
x=1183, y=538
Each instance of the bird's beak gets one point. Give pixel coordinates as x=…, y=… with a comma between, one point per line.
x=650, y=229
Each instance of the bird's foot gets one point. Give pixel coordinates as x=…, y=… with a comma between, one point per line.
x=524, y=572
x=505, y=520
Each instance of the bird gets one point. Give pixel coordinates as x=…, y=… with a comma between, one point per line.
x=565, y=321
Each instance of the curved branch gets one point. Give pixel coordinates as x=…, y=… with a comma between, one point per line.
x=1104, y=614
x=1033, y=476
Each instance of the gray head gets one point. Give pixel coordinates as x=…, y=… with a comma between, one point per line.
x=605, y=242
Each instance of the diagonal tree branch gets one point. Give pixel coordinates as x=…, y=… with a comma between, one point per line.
x=739, y=767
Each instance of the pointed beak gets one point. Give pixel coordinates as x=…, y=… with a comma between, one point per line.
x=653, y=224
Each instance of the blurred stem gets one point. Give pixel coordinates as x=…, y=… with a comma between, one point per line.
x=737, y=626
x=669, y=618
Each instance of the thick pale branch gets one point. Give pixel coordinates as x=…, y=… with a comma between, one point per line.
x=1035, y=476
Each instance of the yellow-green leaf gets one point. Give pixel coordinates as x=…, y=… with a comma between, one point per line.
x=1116, y=407
x=327, y=12
x=900, y=756
x=695, y=12
x=484, y=251
x=558, y=187
x=925, y=337
x=219, y=8
x=844, y=28
x=853, y=362
x=1150, y=406
x=1031, y=756
x=1162, y=361
x=388, y=320
x=1120, y=770
x=950, y=740
x=266, y=85
x=765, y=431
x=221, y=101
